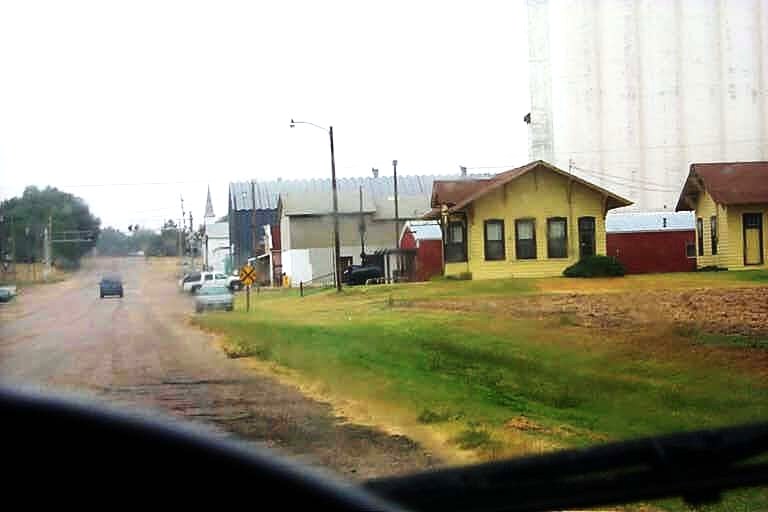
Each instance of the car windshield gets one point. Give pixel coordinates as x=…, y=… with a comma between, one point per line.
x=384, y=238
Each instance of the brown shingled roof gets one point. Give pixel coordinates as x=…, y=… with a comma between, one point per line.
x=729, y=183
x=451, y=192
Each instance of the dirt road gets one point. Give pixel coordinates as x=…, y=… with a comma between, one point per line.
x=139, y=351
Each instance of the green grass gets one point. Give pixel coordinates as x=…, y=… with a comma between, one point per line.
x=473, y=372
x=424, y=362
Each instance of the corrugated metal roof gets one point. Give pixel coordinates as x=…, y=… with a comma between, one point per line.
x=268, y=192
x=727, y=183
x=425, y=230
x=633, y=222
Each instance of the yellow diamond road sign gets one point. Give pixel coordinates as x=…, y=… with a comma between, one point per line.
x=247, y=275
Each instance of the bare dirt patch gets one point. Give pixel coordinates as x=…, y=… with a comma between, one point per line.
x=740, y=311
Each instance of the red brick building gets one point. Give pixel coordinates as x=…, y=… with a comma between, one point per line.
x=649, y=242
x=427, y=239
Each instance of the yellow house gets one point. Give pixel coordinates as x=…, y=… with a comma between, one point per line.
x=731, y=205
x=533, y=221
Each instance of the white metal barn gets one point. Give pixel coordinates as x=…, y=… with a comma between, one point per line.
x=629, y=93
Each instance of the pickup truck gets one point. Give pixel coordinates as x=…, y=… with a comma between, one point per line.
x=195, y=280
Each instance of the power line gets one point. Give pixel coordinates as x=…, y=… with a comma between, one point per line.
x=632, y=183
x=631, y=186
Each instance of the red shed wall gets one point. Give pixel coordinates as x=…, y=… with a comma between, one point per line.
x=429, y=259
x=429, y=256
x=652, y=251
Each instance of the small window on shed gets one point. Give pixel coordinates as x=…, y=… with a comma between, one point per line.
x=690, y=249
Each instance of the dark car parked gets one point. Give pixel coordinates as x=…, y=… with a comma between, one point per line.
x=111, y=285
x=357, y=274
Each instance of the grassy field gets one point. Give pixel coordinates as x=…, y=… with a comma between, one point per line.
x=496, y=385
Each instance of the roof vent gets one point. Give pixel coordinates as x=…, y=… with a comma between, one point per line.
x=375, y=173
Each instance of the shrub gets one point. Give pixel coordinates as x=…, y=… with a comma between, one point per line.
x=596, y=266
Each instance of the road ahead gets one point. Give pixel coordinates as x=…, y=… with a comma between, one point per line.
x=140, y=351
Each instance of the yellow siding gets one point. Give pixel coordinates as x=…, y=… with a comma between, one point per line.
x=730, y=250
x=736, y=236
x=540, y=195
x=454, y=269
x=705, y=210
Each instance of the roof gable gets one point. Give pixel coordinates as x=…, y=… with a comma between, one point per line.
x=728, y=183
x=501, y=179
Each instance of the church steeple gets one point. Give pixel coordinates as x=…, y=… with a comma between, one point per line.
x=209, y=205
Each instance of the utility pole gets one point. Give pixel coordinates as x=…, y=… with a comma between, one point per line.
x=336, y=243
x=397, y=213
x=253, y=218
x=47, y=249
x=362, y=229
x=191, y=241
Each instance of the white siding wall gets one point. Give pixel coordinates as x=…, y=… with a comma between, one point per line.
x=632, y=91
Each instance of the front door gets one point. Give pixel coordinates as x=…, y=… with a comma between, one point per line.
x=586, y=237
x=753, y=238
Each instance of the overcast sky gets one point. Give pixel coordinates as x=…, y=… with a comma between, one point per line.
x=107, y=92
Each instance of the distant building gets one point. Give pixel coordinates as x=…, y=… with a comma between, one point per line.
x=648, y=242
x=216, y=247
x=730, y=202
x=426, y=238
x=254, y=204
x=306, y=230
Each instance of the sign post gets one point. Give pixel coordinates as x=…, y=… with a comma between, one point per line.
x=247, y=277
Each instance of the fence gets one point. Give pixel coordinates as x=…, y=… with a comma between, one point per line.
x=26, y=273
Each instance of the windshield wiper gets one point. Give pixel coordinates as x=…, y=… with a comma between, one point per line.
x=697, y=466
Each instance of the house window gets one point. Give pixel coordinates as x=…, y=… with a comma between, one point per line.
x=557, y=237
x=700, y=235
x=525, y=239
x=456, y=243
x=713, y=233
x=494, y=240
x=690, y=250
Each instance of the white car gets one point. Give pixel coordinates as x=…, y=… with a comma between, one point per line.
x=194, y=281
x=214, y=297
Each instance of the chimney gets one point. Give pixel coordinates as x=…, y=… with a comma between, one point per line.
x=463, y=170
x=375, y=173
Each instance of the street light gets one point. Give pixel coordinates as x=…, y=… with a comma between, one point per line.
x=336, y=243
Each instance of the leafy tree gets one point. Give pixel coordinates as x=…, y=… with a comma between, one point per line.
x=113, y=242
x=25, y=218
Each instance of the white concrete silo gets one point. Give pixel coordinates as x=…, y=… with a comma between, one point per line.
x=628, y=93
